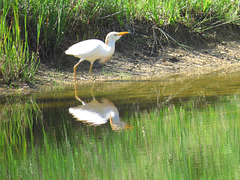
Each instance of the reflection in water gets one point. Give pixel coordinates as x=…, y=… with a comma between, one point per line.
x=194, y=135
x=17, y=117
x=96, y=113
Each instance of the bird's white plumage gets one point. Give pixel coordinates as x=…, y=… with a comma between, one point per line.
x=90, y=50
x=94, y=49
x=84, y=48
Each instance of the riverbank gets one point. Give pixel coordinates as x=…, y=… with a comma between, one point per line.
x=217, y=51
x=33, y=33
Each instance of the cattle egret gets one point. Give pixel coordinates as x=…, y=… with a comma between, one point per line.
x=94, y=49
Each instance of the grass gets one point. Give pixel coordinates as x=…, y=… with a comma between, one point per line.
x=17, y=62
x=31, y=30
x=193, y=140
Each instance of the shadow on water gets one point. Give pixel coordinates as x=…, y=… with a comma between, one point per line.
x=170, y=128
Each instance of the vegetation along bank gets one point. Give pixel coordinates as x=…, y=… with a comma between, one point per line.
x=167, y=36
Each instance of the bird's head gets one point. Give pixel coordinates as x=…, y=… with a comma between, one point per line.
x=114, y=36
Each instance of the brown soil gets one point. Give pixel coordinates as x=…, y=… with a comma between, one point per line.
x=141, y=55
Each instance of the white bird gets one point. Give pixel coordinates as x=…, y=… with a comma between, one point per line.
x=94, y=49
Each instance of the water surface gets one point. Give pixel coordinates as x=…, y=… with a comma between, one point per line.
x=174, y=128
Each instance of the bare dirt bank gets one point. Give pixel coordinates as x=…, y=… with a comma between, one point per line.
x=142, y=54
x=149, y=54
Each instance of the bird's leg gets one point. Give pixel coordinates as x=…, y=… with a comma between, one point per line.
x=90, y=70
x=75, y=68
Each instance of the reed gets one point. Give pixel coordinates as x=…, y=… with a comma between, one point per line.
x=17, y=62
x=31, y=30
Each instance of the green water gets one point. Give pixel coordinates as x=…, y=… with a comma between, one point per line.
x=171, y=128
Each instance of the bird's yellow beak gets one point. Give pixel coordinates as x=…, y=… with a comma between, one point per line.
x=122, y=33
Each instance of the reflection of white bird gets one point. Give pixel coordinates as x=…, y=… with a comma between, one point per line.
x=97, y=113
x=94, y=112
x=94, y=49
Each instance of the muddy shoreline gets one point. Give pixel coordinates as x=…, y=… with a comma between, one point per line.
x=223, y=58
x=147, y=53
x=146, y=58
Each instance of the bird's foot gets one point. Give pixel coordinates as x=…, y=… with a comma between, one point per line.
x=93, y=78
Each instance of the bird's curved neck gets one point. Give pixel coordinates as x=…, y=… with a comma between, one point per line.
x=110, y=43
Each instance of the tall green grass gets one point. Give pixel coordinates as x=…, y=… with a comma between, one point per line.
x=43, y=29
x=16, y=61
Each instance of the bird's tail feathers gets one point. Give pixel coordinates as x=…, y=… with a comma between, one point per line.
x=67, y=52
